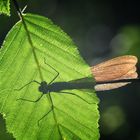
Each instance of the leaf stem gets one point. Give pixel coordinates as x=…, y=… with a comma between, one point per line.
x=29, y=38
x=54, y=115
x=37, y=62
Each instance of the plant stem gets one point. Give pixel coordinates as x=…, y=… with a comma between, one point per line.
x=29, y=38
x=37, y=62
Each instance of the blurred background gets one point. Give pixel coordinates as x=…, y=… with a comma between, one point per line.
x=101, y=29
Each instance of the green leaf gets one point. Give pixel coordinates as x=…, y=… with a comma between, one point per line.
x=75, y=115
x=130, y=41
x=5, y=7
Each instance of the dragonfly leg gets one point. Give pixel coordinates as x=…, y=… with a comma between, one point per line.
x=77, y=96
x=34, y=101
x=27, y=85
x=54, y=70
x=45, y=115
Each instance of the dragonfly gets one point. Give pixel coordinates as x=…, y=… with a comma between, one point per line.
x=108, y=75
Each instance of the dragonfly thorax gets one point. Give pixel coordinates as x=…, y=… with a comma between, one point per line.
x=43, y=87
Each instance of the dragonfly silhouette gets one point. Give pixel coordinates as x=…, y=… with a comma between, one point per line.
x=57, y=87
x=46, y=88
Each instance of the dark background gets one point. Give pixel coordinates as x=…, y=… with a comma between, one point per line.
x=102, y=29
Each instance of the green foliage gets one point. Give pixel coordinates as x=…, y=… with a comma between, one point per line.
x=72, y=118
x=5, y=7
x=127, y=41
x=131, y=40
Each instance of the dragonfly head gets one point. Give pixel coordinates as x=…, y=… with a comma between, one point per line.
x=43, y=87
